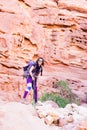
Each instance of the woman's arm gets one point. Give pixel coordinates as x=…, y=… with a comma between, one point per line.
x=30, y=72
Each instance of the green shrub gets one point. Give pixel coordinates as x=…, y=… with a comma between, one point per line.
x=63, y=84
x=63, y=97
x=62, y=102
x=65, y=91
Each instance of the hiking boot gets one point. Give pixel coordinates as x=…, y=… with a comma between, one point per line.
x=24, y=101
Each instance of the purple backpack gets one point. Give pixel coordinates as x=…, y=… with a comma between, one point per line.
x=26, y=69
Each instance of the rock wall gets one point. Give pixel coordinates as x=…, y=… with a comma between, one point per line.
x=53, y=29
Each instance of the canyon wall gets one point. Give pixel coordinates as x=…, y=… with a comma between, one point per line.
x=53, y=29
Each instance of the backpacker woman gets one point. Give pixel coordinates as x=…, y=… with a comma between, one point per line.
x=31, y=80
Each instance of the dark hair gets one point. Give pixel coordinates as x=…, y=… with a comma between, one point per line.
x=41, y=59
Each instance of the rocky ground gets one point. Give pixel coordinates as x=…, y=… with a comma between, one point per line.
x=18, y=116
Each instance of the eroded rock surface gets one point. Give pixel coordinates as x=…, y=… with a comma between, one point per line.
x=55, y=30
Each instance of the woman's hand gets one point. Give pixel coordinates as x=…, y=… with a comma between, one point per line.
x=33, y=78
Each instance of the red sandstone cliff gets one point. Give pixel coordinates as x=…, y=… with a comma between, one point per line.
x=55, y=30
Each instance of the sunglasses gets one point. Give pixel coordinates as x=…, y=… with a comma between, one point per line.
x=41, y=60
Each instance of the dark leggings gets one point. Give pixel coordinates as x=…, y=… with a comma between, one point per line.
x=34, y=86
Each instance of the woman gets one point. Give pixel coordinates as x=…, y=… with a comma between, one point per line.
x=34, y=71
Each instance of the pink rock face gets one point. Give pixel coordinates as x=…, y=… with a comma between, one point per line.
x=55, y=30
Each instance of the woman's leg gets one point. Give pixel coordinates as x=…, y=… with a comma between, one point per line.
x=29, y=87
x=35, y=90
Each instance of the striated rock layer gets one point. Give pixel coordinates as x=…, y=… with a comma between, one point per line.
x=53, y=29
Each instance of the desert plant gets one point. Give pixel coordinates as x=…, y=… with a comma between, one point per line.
x=63, y=84
x=62, y=102
x=65, y=91
x=64, y=97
